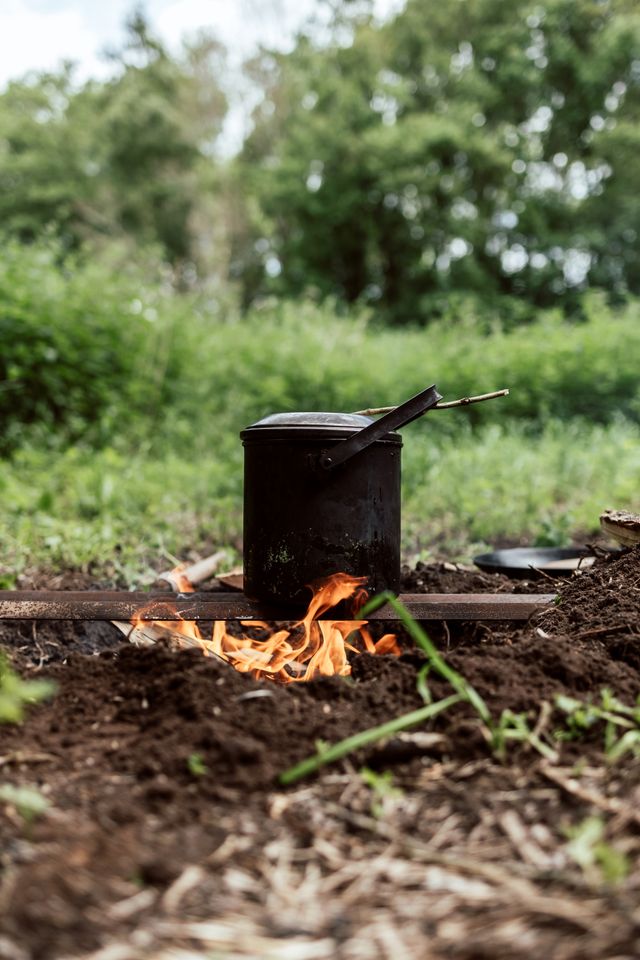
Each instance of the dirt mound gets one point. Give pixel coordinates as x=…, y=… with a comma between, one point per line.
x=154, y=759
x=602, y=602
x=144, y=712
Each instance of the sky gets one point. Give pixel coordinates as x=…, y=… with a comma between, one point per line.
x=39, y=34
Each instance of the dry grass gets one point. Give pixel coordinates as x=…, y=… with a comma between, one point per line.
x=467, y=861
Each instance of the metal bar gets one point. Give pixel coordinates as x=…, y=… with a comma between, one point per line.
x=398, y=417
x=120, y=605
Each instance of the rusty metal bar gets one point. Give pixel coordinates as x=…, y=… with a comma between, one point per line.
x=120, y=605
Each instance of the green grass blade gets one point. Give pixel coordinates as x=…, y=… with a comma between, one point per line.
x=422, y=640
x=344, y=747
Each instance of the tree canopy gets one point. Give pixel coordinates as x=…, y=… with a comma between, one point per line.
x=122, y=158
x=473, y=149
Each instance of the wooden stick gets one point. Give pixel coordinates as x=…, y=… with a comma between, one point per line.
x=462, y=402
x=194, y=573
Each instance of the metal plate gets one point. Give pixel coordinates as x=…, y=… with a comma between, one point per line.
x=525, y=562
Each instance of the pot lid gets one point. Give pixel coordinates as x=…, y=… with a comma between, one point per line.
x=312, y=422
x=350, y=421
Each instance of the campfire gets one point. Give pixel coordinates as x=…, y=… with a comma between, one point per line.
x=296, y=653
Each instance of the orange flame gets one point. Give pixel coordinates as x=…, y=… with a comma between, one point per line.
x=309, y=648
x=179, y=580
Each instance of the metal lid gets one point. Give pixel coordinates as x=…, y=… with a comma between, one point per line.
x=314, y=423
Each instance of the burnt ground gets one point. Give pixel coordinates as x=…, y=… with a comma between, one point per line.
x=168, y=837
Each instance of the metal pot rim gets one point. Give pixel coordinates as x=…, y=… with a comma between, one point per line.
x=310, y=424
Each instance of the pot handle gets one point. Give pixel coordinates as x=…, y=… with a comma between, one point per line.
x=398, y=417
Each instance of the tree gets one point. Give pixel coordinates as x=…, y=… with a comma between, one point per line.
x=480, y=147
x=160, y=117
x=45, y=156
x=123, y=158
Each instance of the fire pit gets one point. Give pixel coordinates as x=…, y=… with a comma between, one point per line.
x=322, y=493
x=319, y=642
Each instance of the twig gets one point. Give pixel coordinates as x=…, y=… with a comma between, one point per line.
x=600, y=631
x=576, y=789
x=462, y=687
x=147, y=634
x=194, y=573
x=541, y=572
x=192, y=876
x=515, y=879
x=20, y=756
x=522, y=841
x=462, y=402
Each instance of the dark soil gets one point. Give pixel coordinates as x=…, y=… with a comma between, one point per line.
x=161, y=769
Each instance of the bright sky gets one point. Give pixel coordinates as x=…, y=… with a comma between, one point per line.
x=39, y=34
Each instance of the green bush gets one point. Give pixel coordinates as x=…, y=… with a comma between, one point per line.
x=299, y=356
x=83, y=345
x=102, y=353
x=118, y=515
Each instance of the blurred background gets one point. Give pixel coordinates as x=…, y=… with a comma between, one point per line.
x=212, y=212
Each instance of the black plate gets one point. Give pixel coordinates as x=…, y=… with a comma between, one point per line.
x=523, y=562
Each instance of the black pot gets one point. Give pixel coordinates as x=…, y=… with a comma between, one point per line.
x=322, y=496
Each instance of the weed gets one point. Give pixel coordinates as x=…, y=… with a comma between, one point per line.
x=421, y=683
x=593, y=854
x=196, y=765
x=382, y=790
x=28, y=801
x=343, y=748
x=508, y=728
x=435, y=660
x=464, y=692
x=621, y=723
x=16, y=694
x=555, y=531
x=514, y=727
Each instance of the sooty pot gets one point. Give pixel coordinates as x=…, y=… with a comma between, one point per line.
x=322, y=496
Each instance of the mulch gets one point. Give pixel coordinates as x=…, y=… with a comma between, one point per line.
x=167, y=835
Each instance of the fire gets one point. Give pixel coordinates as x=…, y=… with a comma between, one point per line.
x=310, y=647
x=180, y=580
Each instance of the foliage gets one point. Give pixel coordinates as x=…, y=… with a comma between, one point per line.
x=336, y=751
x=586, y=846
x=620, y=723
x=515, y=728
x=16, y=694
x=121, y=403
x=118, y=513
x=196, y=765
x=483, y=147
x=507, y=481
x=508, y=727
x=597, y=858
x=436, y=661
x=78, y=351
x=115, y=514
x=119, y=159
x=453, y=159
x=383, y=792
x=95, y=350
x=28, y=801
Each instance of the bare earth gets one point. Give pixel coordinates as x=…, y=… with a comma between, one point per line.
x=468, y=856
